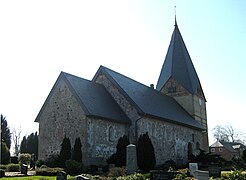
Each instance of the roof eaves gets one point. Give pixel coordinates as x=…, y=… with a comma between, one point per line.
x=175, y=122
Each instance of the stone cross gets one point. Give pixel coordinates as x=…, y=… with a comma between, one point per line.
x=131, y=159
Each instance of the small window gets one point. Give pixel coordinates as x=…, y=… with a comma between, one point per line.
x=212, y=150
x=111, y=134
x=193, y=138
x=171, y=89
x=220, y=149
x=197, y=145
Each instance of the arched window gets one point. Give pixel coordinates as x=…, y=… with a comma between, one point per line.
x=190, y=152
x=197, y=145
x=110, y=133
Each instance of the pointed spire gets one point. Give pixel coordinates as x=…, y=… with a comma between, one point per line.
x=178, y=65
x=175, y=17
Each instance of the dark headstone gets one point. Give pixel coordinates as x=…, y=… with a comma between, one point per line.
x=24, y=168
x=2, y=173
x=214, y=171
x=161, y=175
x=61, y=175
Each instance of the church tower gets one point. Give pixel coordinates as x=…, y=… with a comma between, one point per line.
x=178, y=79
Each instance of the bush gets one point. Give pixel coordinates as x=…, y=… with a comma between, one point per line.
x=39, y=163
x=136, y=176
x=25, y=158
x=234, y=175
x=145, y=153
x=2, y=166
x=119, y=158
x=13, y=167
x=48, y=171
x=116, y=172
x=73, y=167
x=5, y=153
x=53, y=161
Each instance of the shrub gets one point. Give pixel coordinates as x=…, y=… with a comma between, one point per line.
x=136, y=176
x=235, y=175
x=2, y=166
x=73, y=167
x=13, y=167
x=53, y=161
x=48, y=171
x=145, y=153
x=25, y=158
x=77, y=153
x=39, y=163
x=119, y=158
x=65, y=153
x=5, y=153
x=116, y=172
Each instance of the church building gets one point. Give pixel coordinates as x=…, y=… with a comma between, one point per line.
x=111, y=105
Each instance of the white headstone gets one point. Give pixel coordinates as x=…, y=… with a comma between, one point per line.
x=193, y=167
x=131, y=159
x=201, y=175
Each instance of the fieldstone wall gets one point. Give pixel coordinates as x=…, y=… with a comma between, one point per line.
x=102, y=139
x=129, y=110
x=170, y=141
x=62, y=115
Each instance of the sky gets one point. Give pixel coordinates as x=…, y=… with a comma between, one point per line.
x=39, y=39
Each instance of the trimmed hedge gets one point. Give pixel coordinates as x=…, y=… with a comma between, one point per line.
x=48, y=171
x=13, y=168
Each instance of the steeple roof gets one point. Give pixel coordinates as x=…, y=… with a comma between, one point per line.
x=178, y=65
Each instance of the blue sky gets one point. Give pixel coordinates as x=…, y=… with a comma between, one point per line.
x=39, y=39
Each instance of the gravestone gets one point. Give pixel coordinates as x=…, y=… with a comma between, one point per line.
x=24, y=169
x=214, y=171
x=61, y=175
x=131, y=159
x=193, y=167
x=201, y=175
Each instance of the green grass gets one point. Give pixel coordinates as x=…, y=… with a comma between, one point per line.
x=31, y=178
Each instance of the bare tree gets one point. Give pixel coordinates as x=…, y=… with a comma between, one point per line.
x=228, y=133
x=16, y=133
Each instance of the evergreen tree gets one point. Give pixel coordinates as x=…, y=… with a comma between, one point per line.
x=5, y=132
x=30, y=144
x=35, y=145
x=5, y=154
x=65, y=153
x=145, y=153
x=119, y=158
x=23, y=146
x=121, y=151
x=77, y=153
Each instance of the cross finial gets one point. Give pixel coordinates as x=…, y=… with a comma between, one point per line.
x=175, y=16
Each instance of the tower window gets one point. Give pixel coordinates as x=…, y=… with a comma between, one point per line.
x=171, y=89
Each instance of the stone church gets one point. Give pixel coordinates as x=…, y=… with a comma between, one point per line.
x=101, y=110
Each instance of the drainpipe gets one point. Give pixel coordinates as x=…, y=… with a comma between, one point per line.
x=136, y=129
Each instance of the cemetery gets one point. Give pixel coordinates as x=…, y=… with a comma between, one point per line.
x=202, y=167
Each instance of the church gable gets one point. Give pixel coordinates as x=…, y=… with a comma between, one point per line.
x=148, y=101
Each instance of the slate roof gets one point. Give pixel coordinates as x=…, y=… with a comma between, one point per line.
x=149, y=101
x=178, y=65
x=94, y=98
x=230, y=146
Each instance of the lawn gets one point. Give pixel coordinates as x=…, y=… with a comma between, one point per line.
x=31, y=178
